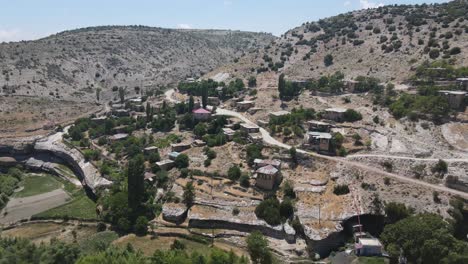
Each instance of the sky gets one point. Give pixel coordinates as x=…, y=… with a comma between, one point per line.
x=33, y=19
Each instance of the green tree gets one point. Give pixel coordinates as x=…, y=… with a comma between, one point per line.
x=136, y=187
x=199, y=130
x=122, y=95
x=234, y=173
x=328, y=60
x=281, y=85
x=396, y=212
x=182, y=161
x=293, y=154
x=141, y=225
x=204, y=96
x=252, y=81
x=191, y=104
x=189, y=194
x=257, y=245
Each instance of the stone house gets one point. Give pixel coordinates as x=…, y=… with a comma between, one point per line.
x=350, y=86
x=255, y=138
x=264, y=162
x=213, y=100
x=249, y=128
x=229, y=133
x=318, y=126
x=201, y=114
x=179, y=147
x=318, y=141
x=173, y=155
x=118, y=137
x=244, y=105
x=150, y=150
x=121, y=112
x=456, y=99
x=165, y=164
x=267, y=177
x=336, y=114
x=368, y=247
x=279, y=113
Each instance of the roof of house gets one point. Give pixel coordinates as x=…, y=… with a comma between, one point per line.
x=228, y=130
x=245, y=102
x=336, y=109
x=464, y=79
x=268, y=169
x=119, y=136
x=151, y=148
x=273, y=162
x=201, y=111
x=320, y=123
x=174, y=154
x=280, y=113
x=149, y=175
x=320, y=135
x=164, y=162
x=453, y=92
x=370, y=242
x=248, y=125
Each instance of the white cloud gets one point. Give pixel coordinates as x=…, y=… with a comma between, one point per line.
x=184, y=26
x=366, y=4
x=347, y=3
x=10, y=35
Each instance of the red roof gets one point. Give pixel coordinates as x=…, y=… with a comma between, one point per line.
x=201, y=111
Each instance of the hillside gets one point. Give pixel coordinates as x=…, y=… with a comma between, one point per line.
x=72, y=64
x=55, y=78
x=387, y=43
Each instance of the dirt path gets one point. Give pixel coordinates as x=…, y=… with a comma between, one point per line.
x=401, y=157
x=268, y=139
x=22, y=208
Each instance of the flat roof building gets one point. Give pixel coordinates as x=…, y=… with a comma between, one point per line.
x=368, y=247
x=249, y=128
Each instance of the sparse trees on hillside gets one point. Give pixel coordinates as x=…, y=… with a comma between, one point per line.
x=328, y=60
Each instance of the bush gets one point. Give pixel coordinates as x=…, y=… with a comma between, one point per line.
x=396, y=212
x=351, y=115
x=434, y=53
x=141, y=225
x=178, y=245
x=455, y=51
x=182, y=161
x=328, y=60
x=341, y=189
x=234, y=173
x=244, y=181
x=269, y=210
x=286, y=208
x=235, y=211
x=288, y=190
x=441, y=167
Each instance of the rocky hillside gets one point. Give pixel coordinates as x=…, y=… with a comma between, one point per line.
x=72, y=65
x=387, y=42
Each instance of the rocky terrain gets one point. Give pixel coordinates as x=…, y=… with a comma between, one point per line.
x=386, y=42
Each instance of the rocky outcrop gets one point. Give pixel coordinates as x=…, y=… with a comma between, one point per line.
x=29, y=148
x=174, y=212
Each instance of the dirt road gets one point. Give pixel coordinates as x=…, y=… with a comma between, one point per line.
x=402, y=158
x=22, y=208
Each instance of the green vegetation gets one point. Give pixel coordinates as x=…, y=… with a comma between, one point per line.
x=274, y=212
x=329, y=84
x=340, y=189
x=207, y=88
x=33, y=185
x=80, y=207
x=234, y=173
x=257, y=246
x=8, y=183
x=287, y=89
x=328, y=60
x=254, y=151
x=97, y=242
x=424, y=238
x=420, y=106
x=291, y=122
x=371, y=260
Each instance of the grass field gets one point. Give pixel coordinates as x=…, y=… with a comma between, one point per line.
x=35, y=184
x=80, y=207
x=371, y=260
x=97, y=242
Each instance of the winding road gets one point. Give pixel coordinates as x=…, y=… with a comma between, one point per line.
x=268, y=139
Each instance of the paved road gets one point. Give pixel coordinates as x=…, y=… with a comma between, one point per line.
x=268, y=139
x=23, y=208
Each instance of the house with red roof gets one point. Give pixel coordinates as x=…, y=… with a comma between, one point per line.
x=201, y=114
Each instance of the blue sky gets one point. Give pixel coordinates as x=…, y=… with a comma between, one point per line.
x=32, y=19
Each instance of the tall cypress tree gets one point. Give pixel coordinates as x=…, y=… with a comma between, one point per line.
x=135, y=174
x=281, y=85
x=204, y=96
x=191, y=104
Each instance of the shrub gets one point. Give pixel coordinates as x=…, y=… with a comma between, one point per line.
x=455, y=51
x=351, y=115
x=288, y=190
x=341, y=189
x=234, y=173
x=244, y=181
x=182, y=161
x=434, y=53
x=286, y=208
x=178, y=245
x=328, y=60
x=269, y=210
x=441, y=167
x=235, y=211
x=141, y=225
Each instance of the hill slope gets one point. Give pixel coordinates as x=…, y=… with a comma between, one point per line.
x=73, y=64
x=387, y=42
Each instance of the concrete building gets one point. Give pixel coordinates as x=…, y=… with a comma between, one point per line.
x=173, y=155
x=267, y=177
x=456, y=99
x=121, y=112
x=318, y=141
x=201, y=114
x=335, y=114
x=229, y=133
x=264, y=162
x=212, y=100
x=463, y=82
x=368, y=247
x=255, y=138
x=350, y=86
x=150, y=150
x=318, y=126
x=179, y=147
x=244, y=105
x=165, y=164
x=198, y=143
x=149, y=176
x=249, y=128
